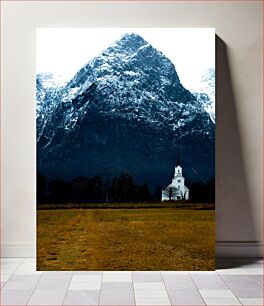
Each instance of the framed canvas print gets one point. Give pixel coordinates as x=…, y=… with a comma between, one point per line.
x=125, y=149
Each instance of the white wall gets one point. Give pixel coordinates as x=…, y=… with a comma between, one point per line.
x=239, y=106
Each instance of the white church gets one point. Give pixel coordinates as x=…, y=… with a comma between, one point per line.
x=176, y=190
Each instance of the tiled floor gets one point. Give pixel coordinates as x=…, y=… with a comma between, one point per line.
x=235, y=282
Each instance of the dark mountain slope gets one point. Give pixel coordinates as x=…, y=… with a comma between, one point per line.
x=126, y=111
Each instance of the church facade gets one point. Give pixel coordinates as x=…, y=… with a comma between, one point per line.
x=176, y=190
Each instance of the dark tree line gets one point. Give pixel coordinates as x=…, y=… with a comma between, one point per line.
x=120, y=189
x=203, y=192
x=83, y=189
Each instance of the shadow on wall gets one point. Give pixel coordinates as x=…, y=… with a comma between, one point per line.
x=234, y=216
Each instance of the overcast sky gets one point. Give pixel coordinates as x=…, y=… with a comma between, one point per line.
x=64, y=51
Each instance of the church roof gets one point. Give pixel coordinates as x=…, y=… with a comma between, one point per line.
x=173, y=186
x=165, y=187
x=170, y=185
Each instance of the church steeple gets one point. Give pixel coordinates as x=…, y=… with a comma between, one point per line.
x=178, y=168
x=178, y=171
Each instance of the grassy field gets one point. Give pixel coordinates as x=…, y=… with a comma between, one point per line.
x=126, y=239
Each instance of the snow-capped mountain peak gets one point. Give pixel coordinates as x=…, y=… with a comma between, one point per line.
x=204, y=91
x=129, y=101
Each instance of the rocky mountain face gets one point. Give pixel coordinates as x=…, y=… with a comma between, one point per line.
x=204, y=92
x=124, y=112
x=47, y=89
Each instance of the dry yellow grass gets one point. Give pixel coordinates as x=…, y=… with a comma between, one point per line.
x=126, y=239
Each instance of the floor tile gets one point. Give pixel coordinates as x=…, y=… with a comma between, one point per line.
x=60, y=273
x=203, y=273
x=20, y=285
x=177, y=273
x=258, y=279
x=87, y=278
x=27, y=272
x=251, y=301
x=185, y=297
x=117, y=277
x=151, y=294
x=88, y=272
x=146, y=277
x=15, y=297
x=117, y=272
x=149, y=286
x=53, y=284
x=218, y=294
x=209, y=282
x=87, y=297
x=117, y=286
x=47, y=297
x=28, y=265
x=54, y=281
x=240, y=282
x=117, y=297
x=233, y=271
x=223, y=301
x=178, y=282
x=27, y=268
x=85, y=286
x=254, y=271
x=248, y=293
x=5, y=277
x=24, y=278
x=148, y=302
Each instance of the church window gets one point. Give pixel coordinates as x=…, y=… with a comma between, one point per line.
x=179, y=181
